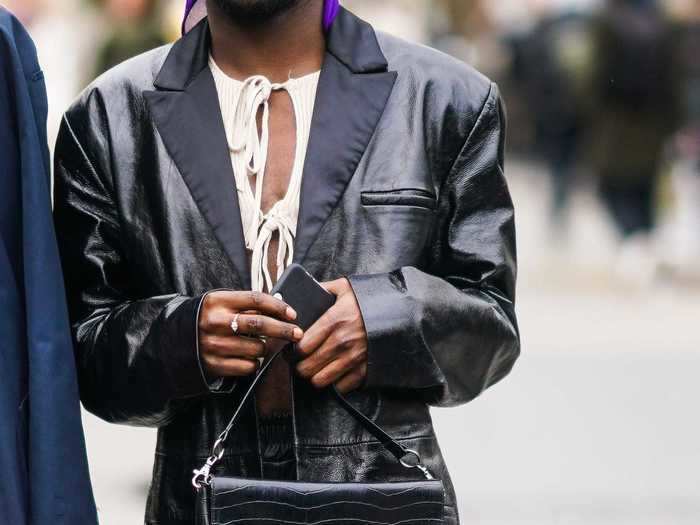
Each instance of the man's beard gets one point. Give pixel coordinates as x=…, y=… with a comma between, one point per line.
x=254, y=11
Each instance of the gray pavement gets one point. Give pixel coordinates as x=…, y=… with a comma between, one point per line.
x=597, y=425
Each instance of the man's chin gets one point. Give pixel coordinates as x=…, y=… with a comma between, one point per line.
x=254, y=11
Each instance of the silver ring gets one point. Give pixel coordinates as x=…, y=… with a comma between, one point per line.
x=234, y=324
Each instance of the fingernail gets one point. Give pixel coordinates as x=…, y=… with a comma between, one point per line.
x=298, y=334
x=291, y=313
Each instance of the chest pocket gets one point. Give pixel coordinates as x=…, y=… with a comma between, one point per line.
x=398, y=225
x=417, y=198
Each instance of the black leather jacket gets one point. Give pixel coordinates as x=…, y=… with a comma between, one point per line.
x=403, y=192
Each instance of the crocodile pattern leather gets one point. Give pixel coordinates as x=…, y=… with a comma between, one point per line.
x=255, y=502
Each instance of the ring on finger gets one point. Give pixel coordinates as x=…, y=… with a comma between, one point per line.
x=263, y=340
x=234, y=324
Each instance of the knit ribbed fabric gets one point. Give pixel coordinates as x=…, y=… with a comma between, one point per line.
x=240, y=104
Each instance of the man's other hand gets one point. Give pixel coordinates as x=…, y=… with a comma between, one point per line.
x=334, y=350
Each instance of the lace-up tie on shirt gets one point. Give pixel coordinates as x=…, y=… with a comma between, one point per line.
x=241, y=102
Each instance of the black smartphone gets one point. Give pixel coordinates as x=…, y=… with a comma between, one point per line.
x=301, y=291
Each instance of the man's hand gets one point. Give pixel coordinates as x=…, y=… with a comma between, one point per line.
x=225, y=354
x=334, y=349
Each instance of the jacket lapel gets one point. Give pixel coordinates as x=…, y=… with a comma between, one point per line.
x=186, y=112
x=354, y=88
x=353, y=91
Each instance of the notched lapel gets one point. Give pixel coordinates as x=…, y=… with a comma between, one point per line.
x=188, y=118
x=353, y=91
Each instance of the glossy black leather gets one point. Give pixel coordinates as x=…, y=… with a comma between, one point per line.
x=251, y=502
x=147, y=221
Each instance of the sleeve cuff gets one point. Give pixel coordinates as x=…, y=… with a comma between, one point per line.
x=396, y=356
x=181, y=352
x=215, y=385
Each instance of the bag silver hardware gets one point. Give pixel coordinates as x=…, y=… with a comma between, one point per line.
x=203, y=476
x=417, y=464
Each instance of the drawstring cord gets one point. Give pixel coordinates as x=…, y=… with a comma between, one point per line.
x=252, y=144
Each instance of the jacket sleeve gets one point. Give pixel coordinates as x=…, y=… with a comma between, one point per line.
x=137, y=357
x=450, y=332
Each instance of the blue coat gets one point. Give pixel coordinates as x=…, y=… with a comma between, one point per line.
x=43, y=466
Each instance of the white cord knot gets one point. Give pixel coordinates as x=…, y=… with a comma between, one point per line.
x=252, y=143
x=275, y=221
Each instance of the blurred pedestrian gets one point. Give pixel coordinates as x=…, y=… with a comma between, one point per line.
x=466, y=30
x=634, y=116
x=135, y=28
x=407, y=19
x=551, y=65
x=66, y=67
x=687, y=64
x=682, y=256
x=25, y=11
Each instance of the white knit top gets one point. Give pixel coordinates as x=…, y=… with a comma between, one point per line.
x=240, y=104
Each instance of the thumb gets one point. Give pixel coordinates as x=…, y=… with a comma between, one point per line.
x=337, y=287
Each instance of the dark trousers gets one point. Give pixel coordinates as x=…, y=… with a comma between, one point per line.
x=630, y=202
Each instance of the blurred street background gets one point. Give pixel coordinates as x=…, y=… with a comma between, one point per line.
x=598, y=424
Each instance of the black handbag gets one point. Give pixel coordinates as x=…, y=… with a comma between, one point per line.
x=241, y=501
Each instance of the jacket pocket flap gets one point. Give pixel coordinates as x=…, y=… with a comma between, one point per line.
x=406, y=197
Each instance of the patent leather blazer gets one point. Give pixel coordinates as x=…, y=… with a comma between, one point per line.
x=403, y=192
